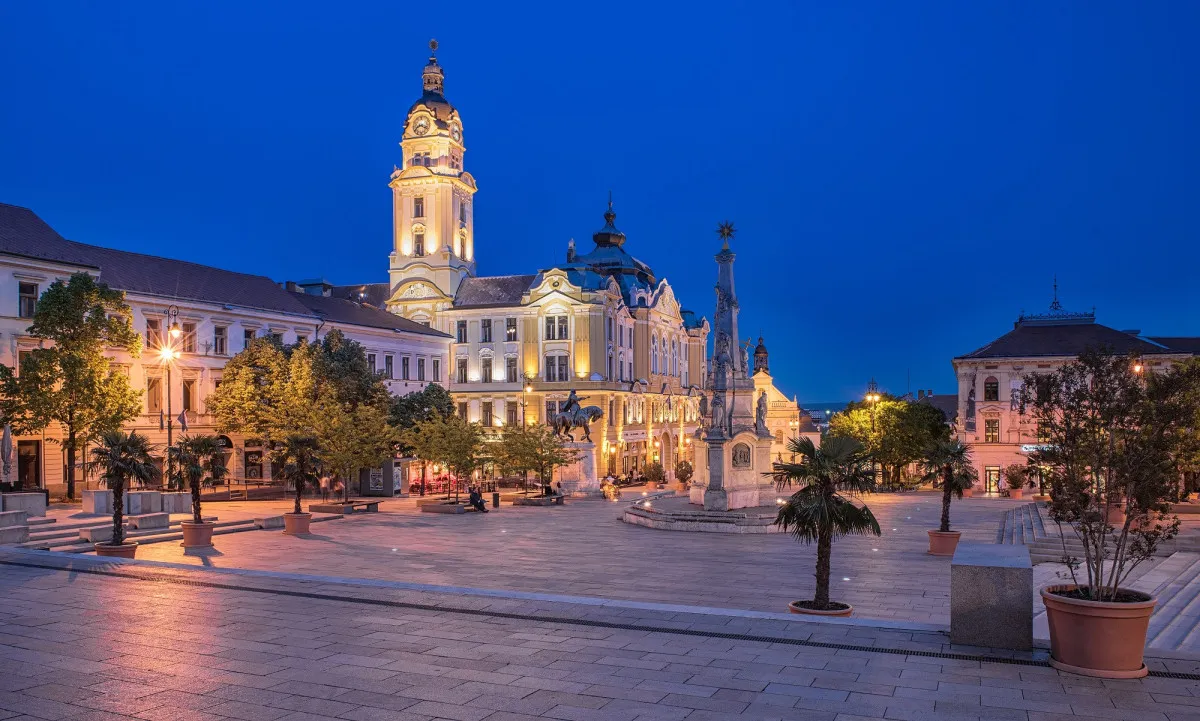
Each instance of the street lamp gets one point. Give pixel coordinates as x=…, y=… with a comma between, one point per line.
x=794, y=427
x=527, y=388
x=873, y=398
x=168, y=355
x=173, y=315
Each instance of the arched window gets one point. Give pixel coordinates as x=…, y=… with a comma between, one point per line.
x=654, y=355
x=991, y=389
x=418, y=240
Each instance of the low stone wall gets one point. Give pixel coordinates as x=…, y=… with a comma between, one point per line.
x=177, y=502
x=98, y=502
x=34, y=504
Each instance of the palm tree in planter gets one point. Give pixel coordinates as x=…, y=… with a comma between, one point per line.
x=297, y=456
x=201, y=461
x=819, y=512
x=122, y=459
x=950, y=463
x=1017, y=477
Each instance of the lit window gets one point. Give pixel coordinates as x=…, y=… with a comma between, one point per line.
x=418, y=243
x=418, y=207
x=991, y=430
x=510, y=329
x=991, y=389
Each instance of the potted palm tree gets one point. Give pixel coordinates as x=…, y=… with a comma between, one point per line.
x=950, y=463
x=201, y=461
x=122, y=459
x=298, y=458
x=1113, y=439
x=1017, y=478
x=819, y=512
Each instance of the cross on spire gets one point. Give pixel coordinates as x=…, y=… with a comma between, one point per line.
x=1054, y=304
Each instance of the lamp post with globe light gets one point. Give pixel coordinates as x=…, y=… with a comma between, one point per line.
x=873, y=398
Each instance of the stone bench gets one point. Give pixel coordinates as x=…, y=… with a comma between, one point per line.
x=13, y=518
x=98, y=502
x=14, y=526
x=98, y=534
x=344, y=508
x=32, y=503
x=269, y=522
x=445, y=508
x=539, y=501
x=177, y=502
x=991, y=596
x=140, y=502
x=149, y=520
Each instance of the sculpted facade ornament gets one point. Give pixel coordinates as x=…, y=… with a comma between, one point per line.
x=741, y=456
x=418, y=290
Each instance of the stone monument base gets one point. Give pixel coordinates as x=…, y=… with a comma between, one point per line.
x=677, y=514
x=579, y=478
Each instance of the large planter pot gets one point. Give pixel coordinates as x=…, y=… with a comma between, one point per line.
x=966, y=493
x=1016, y=493
x=124, y=550
x=943, y=543
x=1097, y=638
x=1114, y=516
x=197, y=535
x=795, y=607
x=296, y=523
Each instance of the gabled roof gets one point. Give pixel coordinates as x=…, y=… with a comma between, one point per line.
x=494, y=291
x=1180, y=344
x=22, y=232
x=1067, y=339
x=340, y=310
x=375, y=294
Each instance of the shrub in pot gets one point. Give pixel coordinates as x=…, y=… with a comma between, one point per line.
x=200, y=460
x=298, y=459
x=1016, y=476
x=948, y=462
x=1115, y=442
x=654, y=473
x=683, y=472
x=818, y=512
x=122, y=459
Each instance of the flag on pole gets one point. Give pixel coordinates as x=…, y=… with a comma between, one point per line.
x=183, y=421
x=162, y=420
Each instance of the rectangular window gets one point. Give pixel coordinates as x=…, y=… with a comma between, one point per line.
x=437, y=370
x=247, y=337
x=418, y=244
x=462, y=209
x=562, y=369
x=418, y=207
x=220, y=340
x=620, y=336
x=154, y=333
x=462, y=411
x=485, y=367
x=612, y=419
x=462, y=370
x=991, y=430
x=551, y=372
x=460, y=331
x=404, y=364
x=22, y=355
x=485, y=330
x=549, y=327
x=420, y=369
x=510, y=369
x=486, y=416
x=153, y=395
x=389, y=367
x=1043, y=435
x=371, y=362
x=276, y=337
x=551, y=410
x=991, y=389
x=189, y=394
x=562, y=327
x=189, y=337
x=510, y=413
x=27, y=296
x=510, y=329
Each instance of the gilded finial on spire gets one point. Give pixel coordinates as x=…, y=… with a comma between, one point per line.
x=433, y=46
x=726, y=231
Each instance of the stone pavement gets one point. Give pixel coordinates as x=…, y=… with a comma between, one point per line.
x=583, y=549
x=103, y=640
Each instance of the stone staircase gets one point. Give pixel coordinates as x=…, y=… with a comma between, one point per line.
x=1026, y=525
x=1176, y=583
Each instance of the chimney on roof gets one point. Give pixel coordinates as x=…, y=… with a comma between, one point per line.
x=1133, y=332
x=290, y=285
x=920, y=394
x=929, y=392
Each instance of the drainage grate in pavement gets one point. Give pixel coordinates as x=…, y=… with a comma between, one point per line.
x=157, y=578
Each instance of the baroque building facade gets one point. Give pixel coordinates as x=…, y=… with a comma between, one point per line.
x=601, y=322
x=218, y=313
x=990, y=415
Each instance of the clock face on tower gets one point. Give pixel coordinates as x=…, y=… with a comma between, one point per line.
x=421, y=126
x=456, y=134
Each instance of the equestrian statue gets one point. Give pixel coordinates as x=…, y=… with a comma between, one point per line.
x=575, y=416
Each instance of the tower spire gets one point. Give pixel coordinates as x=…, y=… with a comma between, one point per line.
x=433, y=78
x=1054, y=304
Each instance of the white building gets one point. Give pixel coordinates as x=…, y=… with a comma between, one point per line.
x=219, y=311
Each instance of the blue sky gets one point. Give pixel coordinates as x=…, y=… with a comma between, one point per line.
x=905, y=177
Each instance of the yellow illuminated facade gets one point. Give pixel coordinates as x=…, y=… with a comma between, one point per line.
x=600, y=323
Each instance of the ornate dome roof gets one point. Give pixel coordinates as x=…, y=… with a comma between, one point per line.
x=432, y=98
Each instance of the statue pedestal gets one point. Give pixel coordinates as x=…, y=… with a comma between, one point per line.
x=735, y=468
x=579, y=478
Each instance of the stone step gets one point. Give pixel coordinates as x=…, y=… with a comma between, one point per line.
x=10, y=519
x=161, y=536
x=1178, y=610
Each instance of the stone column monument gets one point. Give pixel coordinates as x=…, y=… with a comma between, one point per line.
x=737, y=447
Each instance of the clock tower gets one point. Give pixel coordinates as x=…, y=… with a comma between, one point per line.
x=433, y=243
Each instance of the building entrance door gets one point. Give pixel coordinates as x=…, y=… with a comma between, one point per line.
x=991, y=479
x=29, y=464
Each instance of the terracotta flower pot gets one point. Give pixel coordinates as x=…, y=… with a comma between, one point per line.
x=966, y=493
x=1097, y=638
x=1016, y=493
x=943, y=543
x=197, y=535
x=795, y=607
x=296, y=523
x=124, y=550
x=1114, y=516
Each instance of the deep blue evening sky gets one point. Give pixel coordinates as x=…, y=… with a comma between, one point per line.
x=905, y=177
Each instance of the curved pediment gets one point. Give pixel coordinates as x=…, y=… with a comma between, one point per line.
x=416, y=290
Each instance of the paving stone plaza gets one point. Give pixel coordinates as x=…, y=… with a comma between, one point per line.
x=562, y=613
